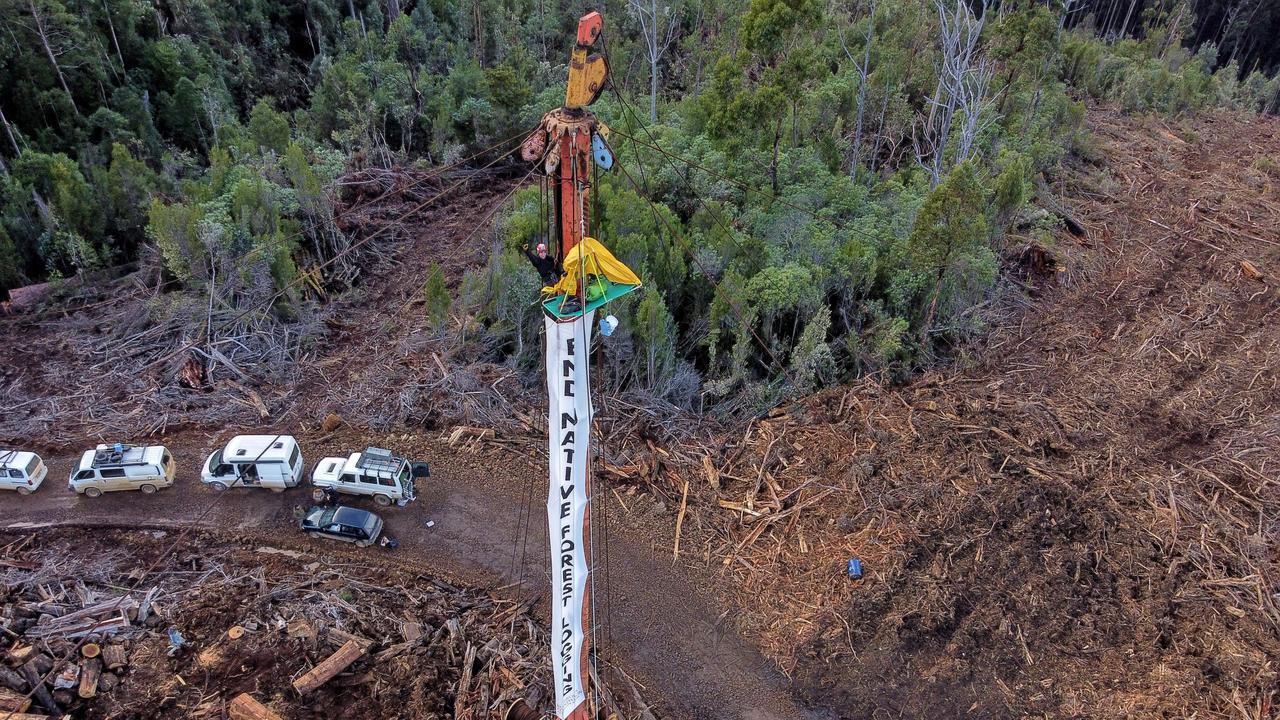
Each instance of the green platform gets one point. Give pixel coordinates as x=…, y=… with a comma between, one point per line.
x=612, y=291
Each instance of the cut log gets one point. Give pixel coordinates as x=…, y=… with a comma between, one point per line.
x=108, y=682
x=13, y=702
x=90, y=671
x=39, y=690
x=519, y=710
x=244, y=707
x=235, y=632
x=91, y=650
x=19, y=654
x=336, y=636
x=12, y=680
x=114, y=657
x=89, y=626
x=92, y=611
x=462, y=432
x=320, y=674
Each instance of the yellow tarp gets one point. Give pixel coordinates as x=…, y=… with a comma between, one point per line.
x=589, y=257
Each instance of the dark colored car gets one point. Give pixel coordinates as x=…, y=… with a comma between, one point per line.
x=340, y=522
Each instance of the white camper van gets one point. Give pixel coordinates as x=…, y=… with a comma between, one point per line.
x=21, y=471
x=375, y=472
x=268, y=461
x=108, y=468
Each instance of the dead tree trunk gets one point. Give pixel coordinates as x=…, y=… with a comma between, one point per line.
x=657, y=39
x=42, y=32
x=106, y=9
x=963, y=78
x=8, y=130
x=863, y=73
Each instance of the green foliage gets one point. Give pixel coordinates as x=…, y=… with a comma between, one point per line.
x=513, y=286
x=65, y=204
x=435, y=296
x=812, y=362
x=175, y=229
x=130, y=185
x=947, y=254
x=10, y=265
x=655, y=335
x=1011, y=188
x=1149, y=77
x=769, y=23
x=268, y=128
x=883, y=343
x=806, y=243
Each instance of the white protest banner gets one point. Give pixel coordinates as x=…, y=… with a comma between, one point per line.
x=569, y=427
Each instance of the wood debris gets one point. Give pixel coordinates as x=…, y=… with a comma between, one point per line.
x=314, y=634
x=331, y=666
x=245, y=707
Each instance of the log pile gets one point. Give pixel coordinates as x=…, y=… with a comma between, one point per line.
x=296, y=633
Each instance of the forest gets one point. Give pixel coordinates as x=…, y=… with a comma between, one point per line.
x=812, y=191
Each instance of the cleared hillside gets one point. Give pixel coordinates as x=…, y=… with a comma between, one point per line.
x=1081, y=524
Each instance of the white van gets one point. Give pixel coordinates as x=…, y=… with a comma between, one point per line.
x=21, y=471
x=374, y=472
x=268, y=461
x=108, y=468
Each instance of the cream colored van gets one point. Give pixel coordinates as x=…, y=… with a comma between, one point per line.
x=115, y=467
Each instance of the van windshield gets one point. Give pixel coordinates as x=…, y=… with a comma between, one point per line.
x=215, y=460
x=293, y=456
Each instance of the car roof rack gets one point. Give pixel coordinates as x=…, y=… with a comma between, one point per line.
x=7, y=457
x=378, y=460
x=117, y=454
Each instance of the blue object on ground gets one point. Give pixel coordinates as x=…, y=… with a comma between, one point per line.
x=175, y=638
x=855, y=568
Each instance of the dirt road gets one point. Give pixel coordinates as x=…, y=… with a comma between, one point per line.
x=665, y=634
